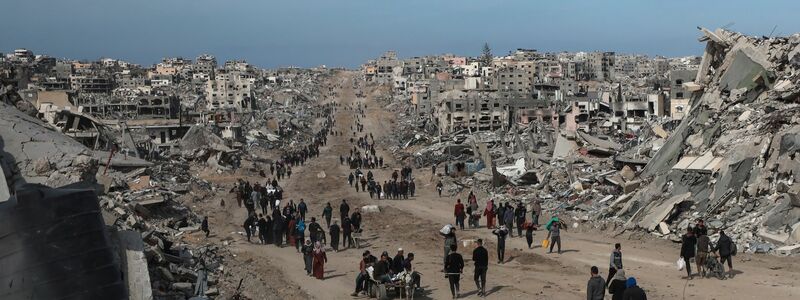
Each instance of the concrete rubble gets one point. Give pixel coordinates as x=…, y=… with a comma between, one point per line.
x=731, y=159
x=140, y=143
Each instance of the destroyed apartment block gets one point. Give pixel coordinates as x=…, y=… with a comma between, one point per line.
x=722, y=148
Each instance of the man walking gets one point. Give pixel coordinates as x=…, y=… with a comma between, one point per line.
x=501, y=234
x=449, y=243
x=302, y=208
x=327, y=213
x=481, y=258
x=688, y=243
x=554, y=233
x=347, y=232
x=454, y=266
x=536, y=211
x=334, y=232
x=520, y=213
x=595, y=289
x=726, y=249
x=459, y=214
x=615, y=264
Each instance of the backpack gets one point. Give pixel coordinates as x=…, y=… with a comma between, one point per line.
x=301, y=227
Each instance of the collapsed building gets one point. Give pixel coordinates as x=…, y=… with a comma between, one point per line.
x=715, y=143
x=110, y=167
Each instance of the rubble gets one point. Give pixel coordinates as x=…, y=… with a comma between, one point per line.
x=729, y=159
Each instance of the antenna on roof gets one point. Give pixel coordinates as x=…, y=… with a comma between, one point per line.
x=728, y=25
x=773, y=30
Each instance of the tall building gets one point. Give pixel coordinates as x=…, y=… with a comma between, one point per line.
x=230, y=91
x=601, y=65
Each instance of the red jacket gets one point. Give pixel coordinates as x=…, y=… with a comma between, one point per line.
x=459, y=210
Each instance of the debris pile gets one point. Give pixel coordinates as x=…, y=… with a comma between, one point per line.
x=731, y=160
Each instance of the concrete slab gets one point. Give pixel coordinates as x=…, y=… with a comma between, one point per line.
x=656, y=215
x=788, y=250
x=684, y=163
x=135, y=265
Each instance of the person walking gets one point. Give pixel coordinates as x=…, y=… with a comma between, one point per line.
x=319, y=260
x=315, y=231
x=454, y=266
x=347, y=232
x=481, y=258
x=596, y=287
x=204, y=226
x=489, y=213
x=615, y=263
x=536, y=211
x=519, y=213
x=633, y=291
x=554, y=233
x=344, y=210
x=703, y=248
x=307, y=252
x=299, y=232
x=334, y=232
x=501, y=234
x=688, y=243
x=459, y=214
x=726, y=249
x=277, y=229
x=327, y=213
x=248, y=225
x=449, y=241
x=262, y=229
x=617, y=285
x=302, y=208
x=529, y=229
x=508, y=219
x=439, y=187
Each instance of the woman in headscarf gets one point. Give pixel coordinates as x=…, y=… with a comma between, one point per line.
x=617, y=285
x=489, y=213
x=319, y=261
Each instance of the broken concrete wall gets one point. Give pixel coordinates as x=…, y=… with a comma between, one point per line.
x=37, y=154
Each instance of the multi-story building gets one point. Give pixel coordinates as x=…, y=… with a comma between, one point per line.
x=91, y=84
x=230, y=91
x=678, y=95
x=601, y=65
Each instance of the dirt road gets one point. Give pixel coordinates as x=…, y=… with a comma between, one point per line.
x=277, y=273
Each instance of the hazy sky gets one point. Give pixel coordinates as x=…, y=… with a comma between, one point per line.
x=307, y=33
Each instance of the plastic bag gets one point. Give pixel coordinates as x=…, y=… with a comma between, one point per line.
x=446, y=229
x=681, y=263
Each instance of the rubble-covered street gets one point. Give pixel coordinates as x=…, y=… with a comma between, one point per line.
x=198, y=179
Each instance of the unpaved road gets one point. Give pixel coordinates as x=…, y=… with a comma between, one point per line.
x=277, y=273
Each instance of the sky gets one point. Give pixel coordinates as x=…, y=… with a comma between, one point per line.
x=346, y=33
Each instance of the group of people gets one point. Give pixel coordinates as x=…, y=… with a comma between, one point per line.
x=619, y=286
x=256, y=196
x=696, y=243
x=384, y=269
x=453, y=263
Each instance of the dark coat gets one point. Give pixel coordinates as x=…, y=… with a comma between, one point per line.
x=724, y=245
x=616, y=288
x=634, y=293
x=687, y=246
